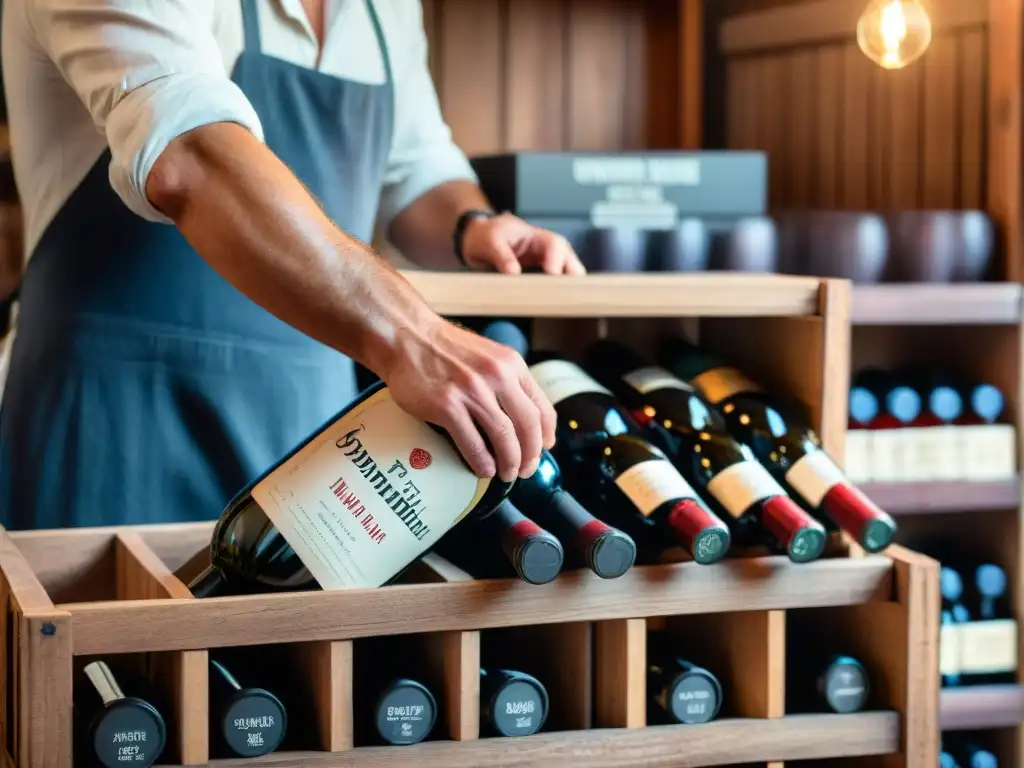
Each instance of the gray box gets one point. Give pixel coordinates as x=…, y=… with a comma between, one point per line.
x=647, y=189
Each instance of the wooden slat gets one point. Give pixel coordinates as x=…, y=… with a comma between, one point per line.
x=472, y=74
x=939, y=124
x=535, y=93
x=820, y=21
x=836, y=344
x=933, y=497
x=44, y=697
x=979, y=707
x=737, y=585
x=742, y=104
x=688, y=746
x=880, y=90
x=904, y=158
x=971, y=114
x=1004, y=194
x=22, y=584
x=327, y=671
x=598, y=84
x=925, y=304
x=691, y=31
x=634, y=295
x=803, y=128
x=462, y=684
x=620, y=674
x=828, y=101
x=775, y=91
x=855, y=128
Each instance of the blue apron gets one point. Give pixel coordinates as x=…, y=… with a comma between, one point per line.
x=142, y=386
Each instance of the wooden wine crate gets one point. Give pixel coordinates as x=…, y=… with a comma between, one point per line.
x=73, y=595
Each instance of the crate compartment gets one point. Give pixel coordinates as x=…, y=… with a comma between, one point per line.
x=559, y=657
x=436, y=670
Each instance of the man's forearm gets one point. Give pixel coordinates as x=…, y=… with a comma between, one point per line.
x=248, y=216
x=423, y=231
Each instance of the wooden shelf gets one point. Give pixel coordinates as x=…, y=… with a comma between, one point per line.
x=979, y=707
x=619, y=295
x=138, y=626
x=725, y=742
x=936, y=304
x=937, y=497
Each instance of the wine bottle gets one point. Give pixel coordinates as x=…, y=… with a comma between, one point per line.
x=607, y=551
x=932, y=443
x=843, y=686
x=946, y=760
x=351, y=507
x=864, y=408
x=504, y=544
x=680, y=691
x=512, y=703
x=783, y=442
x=246, y=720
x=116, y=721
x=695, y=436
x=989, y=448
x=405, y=712
x=899, y=406
x=953, y=616
x=968, y=754
x=988, y=653
x=611, y=468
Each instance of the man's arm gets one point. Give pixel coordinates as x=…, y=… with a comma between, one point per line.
x=254, y=222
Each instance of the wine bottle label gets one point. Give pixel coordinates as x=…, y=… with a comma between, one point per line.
x=720, y=383
x=741, y=485
x=859, y=448
x=648, y=379
x=368, y=495
x=988, y=647
x=938, y=453
x=650, y=484
x=950, y=649
x=813, y=475
x=887, y=456
x=560, y=380
x=917, y=453
x=989, y=451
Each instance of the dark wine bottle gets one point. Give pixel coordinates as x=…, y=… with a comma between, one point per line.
x=504, y=544
x=405, y=712
x=946, y=760
x=612, y=469
x=246, y=720
x=988, y=653
x=953, y=615
x=512, y=703
x=783, y=442
x=696, y=438
x=843, y=685
x=898, y=402
x=351, y=507
x=116, y=721
x=984, y=402
x=968, y=754
x=680, y=691
x=607, y=551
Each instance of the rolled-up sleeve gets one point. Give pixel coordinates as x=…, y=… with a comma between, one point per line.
x=423, y=154
x=147, y=71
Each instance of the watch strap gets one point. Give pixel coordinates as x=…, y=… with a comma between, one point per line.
x=460, y=229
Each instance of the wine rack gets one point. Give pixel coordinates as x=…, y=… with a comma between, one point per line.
x=76, y=595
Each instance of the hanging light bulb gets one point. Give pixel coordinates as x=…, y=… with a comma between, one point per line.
x=893, y=33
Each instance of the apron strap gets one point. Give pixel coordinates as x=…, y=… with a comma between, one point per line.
x=251, y=25
x=388, y=79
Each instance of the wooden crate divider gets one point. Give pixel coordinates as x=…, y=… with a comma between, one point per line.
x=70, y=594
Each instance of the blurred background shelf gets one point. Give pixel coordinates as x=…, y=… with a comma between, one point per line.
x=981, y=707
x=933, y=497
x=936, y=304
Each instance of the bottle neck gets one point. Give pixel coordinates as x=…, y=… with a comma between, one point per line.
x=210, y=583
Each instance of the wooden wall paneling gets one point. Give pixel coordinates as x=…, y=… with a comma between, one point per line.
x=632, y=28
x=691, y=99
x=598, y=83
x=941, y=99
x=775, y=96
x=971, y=114
x=803, y=133
x=742, y=88
x=854, y=121
x=904, y=139
x=880, y=88
x=668, y=66
x=829, y=105
x=1005, y=85
x=535, y=93
x=472, y=73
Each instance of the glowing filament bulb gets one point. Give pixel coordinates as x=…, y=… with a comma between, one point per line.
x=893, y=33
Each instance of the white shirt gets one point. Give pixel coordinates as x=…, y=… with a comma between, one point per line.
x=82, y=75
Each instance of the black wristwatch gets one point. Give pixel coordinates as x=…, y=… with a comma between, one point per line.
x=460, y=229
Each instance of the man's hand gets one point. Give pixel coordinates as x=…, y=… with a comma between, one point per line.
x=466, y=384
x=507, y=244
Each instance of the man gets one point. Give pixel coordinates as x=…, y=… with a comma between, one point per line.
x=196, y=179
